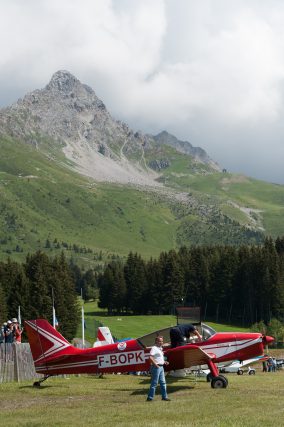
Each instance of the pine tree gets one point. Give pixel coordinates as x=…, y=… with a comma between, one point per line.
x=117, y=288
x=77, y=276
x=243, y=299
x=20, y=294
x=104, y=281
x=3, y=307
x=154, y=289
x=279, y=245
x=16, y=288
x=89, y=284
x=39, y=272
x=196, y=275
x=222, y=278
x=65, y=298
x=173, y=281
x=136, y=284
x=273, y=284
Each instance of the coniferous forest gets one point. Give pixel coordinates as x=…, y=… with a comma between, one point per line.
x=241, y=285
x=33, y=286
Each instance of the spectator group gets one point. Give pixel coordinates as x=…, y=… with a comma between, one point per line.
x=11, y=332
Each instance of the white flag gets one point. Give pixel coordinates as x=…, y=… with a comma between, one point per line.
x=54, y=319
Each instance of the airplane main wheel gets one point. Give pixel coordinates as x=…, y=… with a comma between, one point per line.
x=219, y=382
x=225, y=378
x=240, y=372
x=252, y=372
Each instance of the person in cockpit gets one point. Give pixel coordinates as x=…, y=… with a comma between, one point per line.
x=180, y=333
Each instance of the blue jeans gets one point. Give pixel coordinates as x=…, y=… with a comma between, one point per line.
x=158, y=376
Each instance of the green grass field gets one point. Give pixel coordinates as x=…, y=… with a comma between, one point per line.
x=120, y=400
x=133, y=326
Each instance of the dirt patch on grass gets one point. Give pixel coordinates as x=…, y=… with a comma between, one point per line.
x=53, y=401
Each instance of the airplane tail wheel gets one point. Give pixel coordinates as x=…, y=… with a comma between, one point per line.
x=240, y=372
x=219, y=382
x=36, y=384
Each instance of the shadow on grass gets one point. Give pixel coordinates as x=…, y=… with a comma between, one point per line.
x=170, y=388
x=97, y=313
x=97, y=376
x=170, y=380
x=42, y=387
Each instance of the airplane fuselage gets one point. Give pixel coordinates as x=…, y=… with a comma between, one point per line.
x=54, y=355
x=130, y=356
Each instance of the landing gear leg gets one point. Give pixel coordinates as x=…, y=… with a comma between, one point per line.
x=217, y=381
x=209, y=377
x=38, y=383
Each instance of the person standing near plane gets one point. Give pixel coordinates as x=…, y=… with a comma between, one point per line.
x=17, y=331
x=157, y=370
x=9, y=333
x=180, y=333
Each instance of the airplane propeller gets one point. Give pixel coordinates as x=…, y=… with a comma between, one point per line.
x=266, y=339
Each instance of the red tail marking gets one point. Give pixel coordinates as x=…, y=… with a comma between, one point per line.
x=100, y=336
x=44, y=340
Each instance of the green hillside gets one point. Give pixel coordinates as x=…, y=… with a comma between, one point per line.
x=243, y=199
x=266, y=200
x=45, y=205
x=41, y=200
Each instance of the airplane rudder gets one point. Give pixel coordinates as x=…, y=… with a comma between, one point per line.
x=43, y=338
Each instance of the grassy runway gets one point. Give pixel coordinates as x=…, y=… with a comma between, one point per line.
x=133, y=326
x=120, y=400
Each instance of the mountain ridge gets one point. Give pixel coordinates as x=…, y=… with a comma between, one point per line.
x=99, y=146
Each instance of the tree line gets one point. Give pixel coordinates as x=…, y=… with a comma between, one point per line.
x=32, y=285
x=236, y=284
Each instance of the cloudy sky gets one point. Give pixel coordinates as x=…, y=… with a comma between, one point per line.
x=208, y=71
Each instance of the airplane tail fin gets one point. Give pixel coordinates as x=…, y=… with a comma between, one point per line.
x=45, y=341
x=104, y=337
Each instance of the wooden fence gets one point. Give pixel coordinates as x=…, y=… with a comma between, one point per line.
x=16, y=363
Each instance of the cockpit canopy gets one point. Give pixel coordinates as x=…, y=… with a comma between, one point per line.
x=149, y=339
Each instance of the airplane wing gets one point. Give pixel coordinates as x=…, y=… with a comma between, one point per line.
x=236, y=364
x=187, y=356
x=254, y=360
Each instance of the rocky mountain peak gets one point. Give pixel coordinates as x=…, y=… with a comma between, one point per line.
x=185, y=147
x=69, y=113
x=63, y=81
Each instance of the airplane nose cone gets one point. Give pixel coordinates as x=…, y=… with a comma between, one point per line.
x=267, y=339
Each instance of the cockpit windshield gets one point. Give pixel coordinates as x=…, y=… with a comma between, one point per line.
x=207, y=331
x=149, y=339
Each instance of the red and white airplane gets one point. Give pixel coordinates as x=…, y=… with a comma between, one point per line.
x=54, y=355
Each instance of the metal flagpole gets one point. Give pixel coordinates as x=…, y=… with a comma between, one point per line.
x=19, y=316
x=83, y=327
x=83, y=321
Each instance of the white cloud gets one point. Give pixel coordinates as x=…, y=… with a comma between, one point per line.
x=210, y=71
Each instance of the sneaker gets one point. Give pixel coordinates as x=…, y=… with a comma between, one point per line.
x=148, y=399
x=167, y=399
